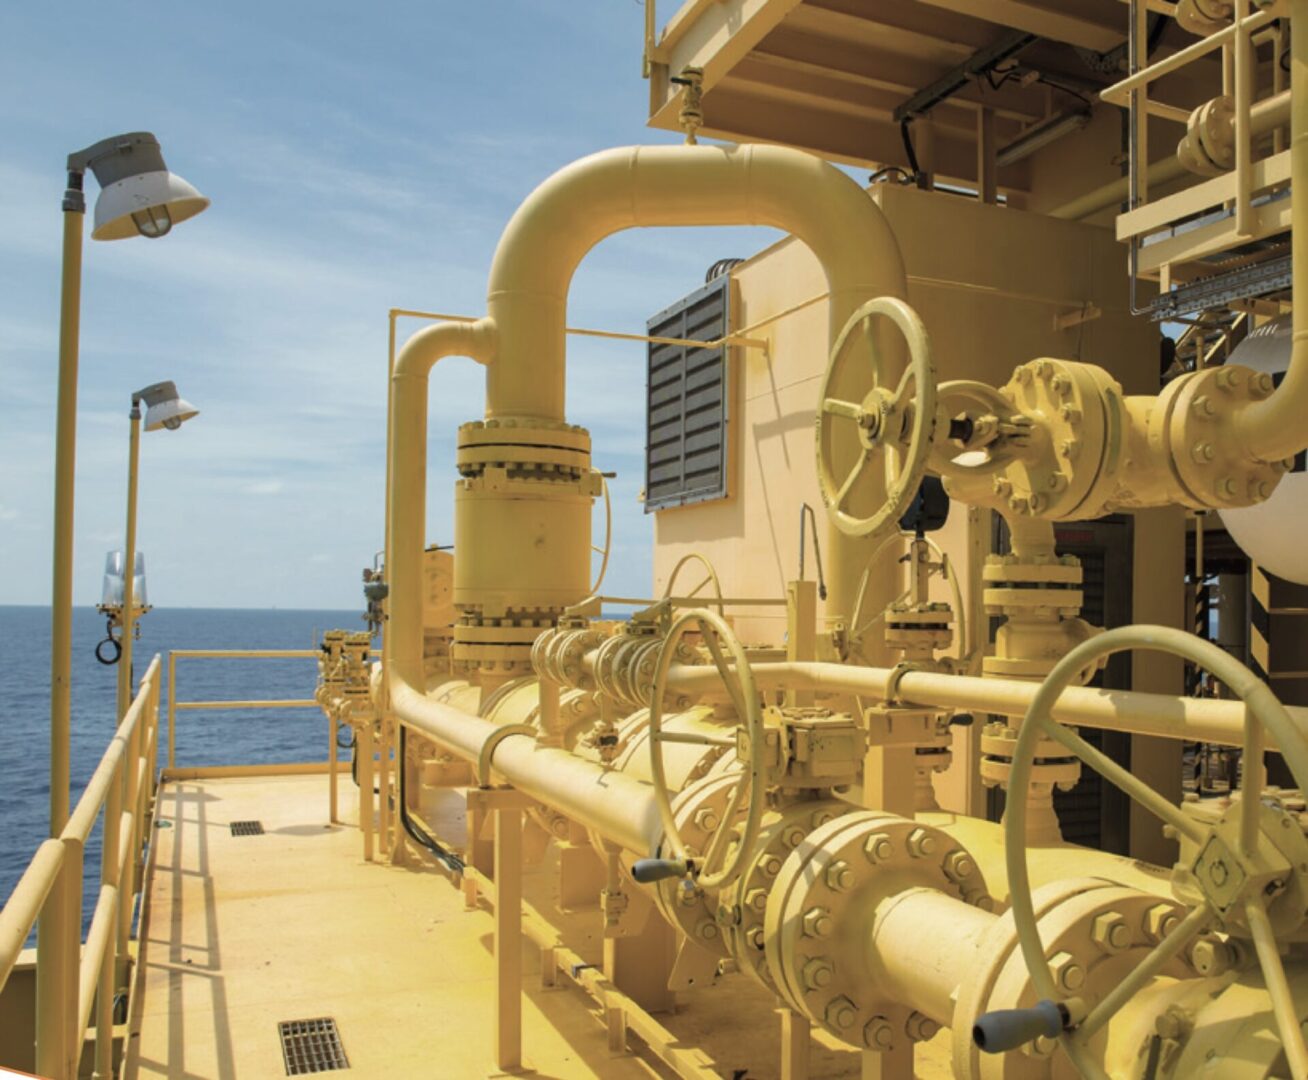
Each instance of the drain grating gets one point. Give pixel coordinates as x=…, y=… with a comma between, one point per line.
x=311, y=1046
x=247, y=828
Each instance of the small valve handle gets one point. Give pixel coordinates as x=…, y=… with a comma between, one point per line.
x=1006, y=1029
x=648, y=871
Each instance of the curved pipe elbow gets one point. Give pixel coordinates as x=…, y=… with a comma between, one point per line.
x=420, y=353
x=638, y=186
x=1275, y=429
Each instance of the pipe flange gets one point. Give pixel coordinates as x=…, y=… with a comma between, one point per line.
x=1093, y=931
x=624, y=661
x=604, y=670
x=816, y=922
x=1198, y=427
x=746, y=900
x=698, y=810
x=540, y=650
x=1077, y=416
x=1208, y=146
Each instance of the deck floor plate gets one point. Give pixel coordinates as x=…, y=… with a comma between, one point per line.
x=242, y=935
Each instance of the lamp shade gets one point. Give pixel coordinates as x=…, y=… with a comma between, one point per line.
x=138, y=195
x=148, y=204
x=165, y=407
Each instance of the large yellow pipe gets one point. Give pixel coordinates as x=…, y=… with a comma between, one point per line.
x=1274, y=429
x=619, y=807
x=637, y=186
x=522, y=342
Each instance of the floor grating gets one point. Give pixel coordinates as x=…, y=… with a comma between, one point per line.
x=311, y=1046
x=247, y=828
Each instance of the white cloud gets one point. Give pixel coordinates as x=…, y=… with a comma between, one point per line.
x=264, y=487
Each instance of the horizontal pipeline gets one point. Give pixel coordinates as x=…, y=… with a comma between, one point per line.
x=1167, y=716
x=619, y=807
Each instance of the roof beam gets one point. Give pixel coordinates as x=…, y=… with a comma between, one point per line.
x=714, y=36
x=1075, y=22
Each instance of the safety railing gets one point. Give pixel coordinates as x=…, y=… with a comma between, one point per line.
x=331, y=767
x=72, y=981
x=1167, y=233
x=174, y=706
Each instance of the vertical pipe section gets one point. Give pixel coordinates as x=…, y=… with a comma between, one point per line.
x=129, y=566
x=1274, y=429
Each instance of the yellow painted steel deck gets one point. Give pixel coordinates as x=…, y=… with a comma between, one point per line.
x=240, y=933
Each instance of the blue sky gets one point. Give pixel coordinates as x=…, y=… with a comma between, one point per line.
x=359, y=157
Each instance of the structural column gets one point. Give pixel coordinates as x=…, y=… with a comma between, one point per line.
x=508, y=938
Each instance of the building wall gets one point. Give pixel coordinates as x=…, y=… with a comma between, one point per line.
x=989, y=283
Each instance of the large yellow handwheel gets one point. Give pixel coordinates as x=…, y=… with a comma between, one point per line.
x=1262, y=904
x=739, y=681
x=895, y=427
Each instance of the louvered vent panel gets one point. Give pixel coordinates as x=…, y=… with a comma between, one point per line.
x=686, y=402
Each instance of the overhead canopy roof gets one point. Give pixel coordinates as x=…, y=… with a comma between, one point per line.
x=829, y=75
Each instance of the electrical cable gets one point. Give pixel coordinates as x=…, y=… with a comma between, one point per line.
x=905, y=177
x=416, y=833
x=907, y=136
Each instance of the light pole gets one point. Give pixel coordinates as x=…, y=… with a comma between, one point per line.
x=137, y=195
x=164, y=408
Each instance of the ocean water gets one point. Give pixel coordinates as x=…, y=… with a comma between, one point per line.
x=204, y=737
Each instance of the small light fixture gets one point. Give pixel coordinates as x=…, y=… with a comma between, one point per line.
x=138, y=195
x=1041, y=135
x=164, y=406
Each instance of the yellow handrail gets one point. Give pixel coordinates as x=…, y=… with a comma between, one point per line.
x=76, y=983
x=72, y=979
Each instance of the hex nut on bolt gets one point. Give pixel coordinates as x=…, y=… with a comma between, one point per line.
x=754, y=935
x=878, y=847
x=1110, y=932
x=1066, y=971
x=1160, y=920
x=757, y=899
x=879, y=1035
x=921, y=843
x=818, y=922
x=770, y=865
x=958, y=865
x=919, y=1027
x=706, y=819
x=817, y=973
x=840, y=1013
x=839, y=876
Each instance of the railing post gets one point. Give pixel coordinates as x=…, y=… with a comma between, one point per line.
x=53, y=1004
x=109, y=864
x=172, y=710
x=332, y=728
x=74, y=866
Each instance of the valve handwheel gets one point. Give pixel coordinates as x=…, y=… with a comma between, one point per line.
x=892, y=425
x=1259, y=890
x=748, y=792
